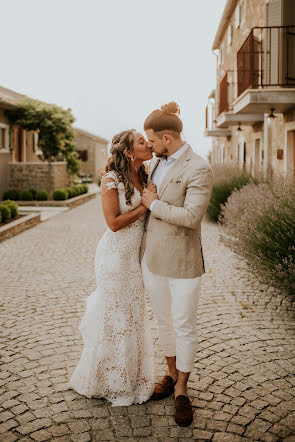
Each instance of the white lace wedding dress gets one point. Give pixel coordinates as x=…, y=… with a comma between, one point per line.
x=117, y=358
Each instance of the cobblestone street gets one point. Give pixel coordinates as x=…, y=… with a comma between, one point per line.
x=243, y=386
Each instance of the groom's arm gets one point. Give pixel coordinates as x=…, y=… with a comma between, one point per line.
x=195, y=205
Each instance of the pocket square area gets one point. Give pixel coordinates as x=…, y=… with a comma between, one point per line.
x=177, y=181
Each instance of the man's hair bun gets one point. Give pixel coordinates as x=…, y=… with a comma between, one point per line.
x=171, y=108
x=166, y=118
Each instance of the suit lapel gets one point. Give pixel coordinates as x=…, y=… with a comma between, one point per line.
x=178, y=165
x=154, y=163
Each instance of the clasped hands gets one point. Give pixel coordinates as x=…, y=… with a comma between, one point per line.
x=149, y=195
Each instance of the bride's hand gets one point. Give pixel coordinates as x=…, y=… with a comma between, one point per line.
x=152, y=187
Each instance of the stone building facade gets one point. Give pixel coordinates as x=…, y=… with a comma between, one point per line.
x=20, y=166
x=93, y=152
x=16, y=145
x=251, y=112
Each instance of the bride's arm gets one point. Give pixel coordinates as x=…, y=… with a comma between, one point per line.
x=111, y=208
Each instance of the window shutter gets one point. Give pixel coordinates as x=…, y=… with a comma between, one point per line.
x=274, y=18
x=229, y=35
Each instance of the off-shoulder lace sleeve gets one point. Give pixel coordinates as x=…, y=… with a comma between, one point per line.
x=109, y=181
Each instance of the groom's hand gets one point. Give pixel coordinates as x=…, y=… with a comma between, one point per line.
x=148, y=197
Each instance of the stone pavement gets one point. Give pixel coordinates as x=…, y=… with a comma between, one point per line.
x=243, y=385
x=46, y=212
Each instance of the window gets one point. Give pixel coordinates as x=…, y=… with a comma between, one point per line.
x=229, y=35
x=35, y=142
x=83, y=155
x=238, y=16
x=243, y=11
x=4, y=137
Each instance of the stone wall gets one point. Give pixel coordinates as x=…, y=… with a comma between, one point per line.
x=40, y=176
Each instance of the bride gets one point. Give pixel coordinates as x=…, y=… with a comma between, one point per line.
x=117, y=357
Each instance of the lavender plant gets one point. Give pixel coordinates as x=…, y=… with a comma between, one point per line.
x=226, y=181
x=260, y=223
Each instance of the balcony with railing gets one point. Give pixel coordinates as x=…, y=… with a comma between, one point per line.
x=266, y=70
x=227, y=95
x=264, y=80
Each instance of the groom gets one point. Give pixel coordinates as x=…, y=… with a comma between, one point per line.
x=171, y=252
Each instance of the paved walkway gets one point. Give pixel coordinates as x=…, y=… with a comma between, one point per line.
x=243, y=385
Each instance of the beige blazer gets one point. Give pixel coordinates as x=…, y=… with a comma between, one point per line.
x=172, y=234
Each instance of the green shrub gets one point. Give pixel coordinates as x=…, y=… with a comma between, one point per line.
x=12, y=206
x=12, y=194
x=259, y=221
x=5, y=212
x=60, y=194
x=41, y=195
x=0, y=218
x=26, y=195
x=226, y=181
x=71, y=192
x=85, y=187
x=33, y=192
x=75, y=191
x=80, y=189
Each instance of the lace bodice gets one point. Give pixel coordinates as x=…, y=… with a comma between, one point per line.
x=111, y=181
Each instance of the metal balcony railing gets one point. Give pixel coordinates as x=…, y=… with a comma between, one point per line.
x=267, y=58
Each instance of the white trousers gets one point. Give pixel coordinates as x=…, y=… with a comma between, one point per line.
x=175, y=303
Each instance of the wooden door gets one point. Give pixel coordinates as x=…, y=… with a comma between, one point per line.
x=290, y=159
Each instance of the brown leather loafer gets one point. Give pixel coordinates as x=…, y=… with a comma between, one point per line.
x=183, y=411
x=164, y=388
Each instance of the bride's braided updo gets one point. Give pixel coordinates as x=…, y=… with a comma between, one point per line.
x=120, y=163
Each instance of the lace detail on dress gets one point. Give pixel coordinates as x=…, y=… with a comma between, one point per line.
x=117, y=358
x=106, y=186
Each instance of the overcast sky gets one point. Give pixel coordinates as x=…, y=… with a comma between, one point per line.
x=113, y=61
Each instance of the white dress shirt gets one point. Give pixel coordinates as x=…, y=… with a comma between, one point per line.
x=164, y=165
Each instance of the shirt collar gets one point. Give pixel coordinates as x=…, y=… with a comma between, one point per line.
x=174, y=156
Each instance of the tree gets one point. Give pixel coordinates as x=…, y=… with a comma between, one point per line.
x=54, y=126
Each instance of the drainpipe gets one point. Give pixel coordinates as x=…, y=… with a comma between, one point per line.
x=216, y=102
x=265, y=143
x=216, y=87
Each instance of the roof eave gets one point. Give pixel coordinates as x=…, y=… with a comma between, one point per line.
x=89, y=134
x=226, y=16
